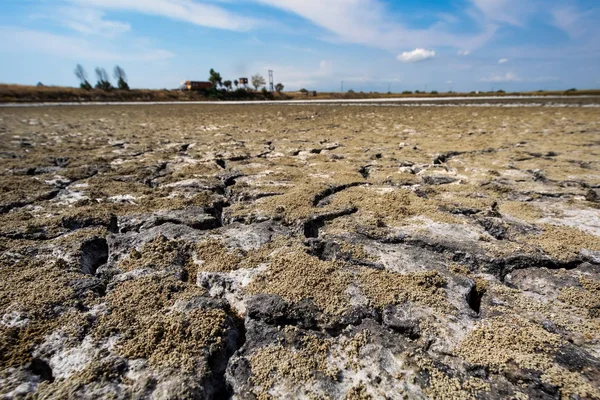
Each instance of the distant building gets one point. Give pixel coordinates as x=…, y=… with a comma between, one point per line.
x=243, y=82
x=196, y=85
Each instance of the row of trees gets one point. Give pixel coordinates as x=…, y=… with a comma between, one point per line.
x=103, y=80
x=257, y=81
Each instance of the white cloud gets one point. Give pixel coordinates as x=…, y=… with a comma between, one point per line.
x=190, y=11
x=416, y=55
x=574, y=22
x=89, y=21
x=508, y=77
x=503, y=61
x=78, y=49
x=368, y=22
x=463, y=52
x=254, y=41
x=512, y=12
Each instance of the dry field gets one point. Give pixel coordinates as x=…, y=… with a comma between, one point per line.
x=181, y=252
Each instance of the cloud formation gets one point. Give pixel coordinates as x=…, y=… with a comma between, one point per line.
x=503, y=61
x=416, y=55
x=55, y=45
x=89, y=22
x=368, y=22
x=511, y=12
x=198, y=13
x=508, y=77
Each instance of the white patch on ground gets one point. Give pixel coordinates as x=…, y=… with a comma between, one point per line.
x=322, y=176
x=395, y=259
x=23, y=389
x=585, y=220
x=207, y=128
x=275, y=155
x=181, y=162
x=136, y=369
x=132, y=275
x=58, y=181
x=383, y=190
x=14, y=319
x=357, y=297
x=122, y=199
x=65, y=360
x=244, y=237
x=229, y=286
x=68, y=197
x=374, y=363
x=440, y=231
x=191, y=183
x=70, y=361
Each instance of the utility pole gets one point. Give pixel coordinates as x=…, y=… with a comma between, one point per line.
x=271, y=86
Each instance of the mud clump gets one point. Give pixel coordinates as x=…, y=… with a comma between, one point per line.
x=295, y=275
x=384, y=288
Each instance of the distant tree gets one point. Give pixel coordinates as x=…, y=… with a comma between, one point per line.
x=215, y=78
x=257, y=81
x=266, y=93
x=236, y=83
x=103, y=79
x=572, y=90
x=279, y=87
x=227, y=84
x=121, y=77
x=304, y=91
x=434, y=92
x=407, y=92
x=82, y=76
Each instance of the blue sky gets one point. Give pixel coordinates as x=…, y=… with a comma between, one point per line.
x=371, y=45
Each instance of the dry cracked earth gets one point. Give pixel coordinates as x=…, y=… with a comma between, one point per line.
x=257, y=252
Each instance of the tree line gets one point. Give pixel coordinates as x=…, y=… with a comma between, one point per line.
x=256, y=80
x=104, y=83
x=103, y=80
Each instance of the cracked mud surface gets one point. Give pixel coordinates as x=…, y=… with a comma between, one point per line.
x=257, y=252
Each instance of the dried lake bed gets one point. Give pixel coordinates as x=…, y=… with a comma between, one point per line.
x=301, y=251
